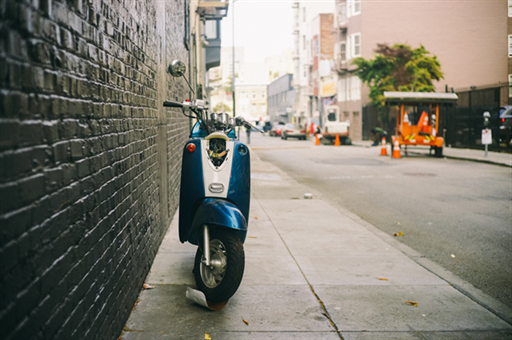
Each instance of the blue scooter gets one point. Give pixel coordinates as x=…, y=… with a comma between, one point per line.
x=214, y=196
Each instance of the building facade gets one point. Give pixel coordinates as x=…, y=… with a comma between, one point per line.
x=469, y=41
x=305, y=106
x=90, y=160
x=281, y=97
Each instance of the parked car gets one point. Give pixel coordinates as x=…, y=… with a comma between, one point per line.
x=290, y=130
x=505, y=124
x=276, y=130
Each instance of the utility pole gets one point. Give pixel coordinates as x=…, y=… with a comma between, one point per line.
x=233, y=76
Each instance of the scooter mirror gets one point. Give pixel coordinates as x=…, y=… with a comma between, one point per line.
x=177, y=68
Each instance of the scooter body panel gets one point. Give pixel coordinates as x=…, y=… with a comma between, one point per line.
x=192, y=187
x=199, y=204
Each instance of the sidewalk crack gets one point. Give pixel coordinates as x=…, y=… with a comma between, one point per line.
x=322, y=305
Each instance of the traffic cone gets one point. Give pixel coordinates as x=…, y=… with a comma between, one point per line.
x=383, y=149
x=317, y=140
x=337, y=141
x=396, y=150
x=406, y=119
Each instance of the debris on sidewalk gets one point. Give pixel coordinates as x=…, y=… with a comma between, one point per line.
x=382, y=279
x=246, y=322
x=415, y=304
x=198, y=297
x=453, y=256
x=398, y=234
x=308, y=196
x=207, y=336
x=147, y=286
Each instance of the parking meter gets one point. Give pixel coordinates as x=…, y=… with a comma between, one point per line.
x=486, y=132
x=487, y=122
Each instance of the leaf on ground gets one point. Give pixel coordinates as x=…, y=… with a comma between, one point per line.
x=207, y=336
x=256, y=217
x=383, y=279
x=415, y=304
x=398, y=234
x=252, y=236
x=246, y=322
x=146, y=286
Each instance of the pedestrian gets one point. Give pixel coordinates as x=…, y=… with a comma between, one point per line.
x=318, y=131
x=248, y=131
x=378, y=134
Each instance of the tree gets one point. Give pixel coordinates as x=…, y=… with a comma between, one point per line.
x=220, y=107
x=398, y=68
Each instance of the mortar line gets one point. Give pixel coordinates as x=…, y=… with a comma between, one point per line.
x=326, y=313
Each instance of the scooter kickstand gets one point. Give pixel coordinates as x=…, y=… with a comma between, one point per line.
x=206, y=237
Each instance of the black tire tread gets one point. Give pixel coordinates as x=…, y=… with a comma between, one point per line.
x=234, y=271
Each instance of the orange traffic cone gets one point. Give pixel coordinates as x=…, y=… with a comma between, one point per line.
x=337, y=141
x=396, y=150
x=406, y=119
x=317, y=140
x=383, y=149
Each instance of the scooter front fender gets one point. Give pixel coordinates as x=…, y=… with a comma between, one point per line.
x=216, y=212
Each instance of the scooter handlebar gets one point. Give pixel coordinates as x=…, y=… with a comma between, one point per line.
x=172, y=104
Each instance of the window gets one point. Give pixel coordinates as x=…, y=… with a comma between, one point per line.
x=510, y=8
x=357, y=7
x=331, y=116
x=303, y=14
x=342, y=14
x=303, y=42
x=343, y=51
x=356, y=45
x=253, y=108
x=510, y=45
x=262, y=95
x=305, y=71
x=210, y=29
x=510, y=85
x=342, y=91
x=355, y=88
x=353, y=7
x=253, y=94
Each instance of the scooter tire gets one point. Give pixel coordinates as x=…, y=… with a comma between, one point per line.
x=233, y=251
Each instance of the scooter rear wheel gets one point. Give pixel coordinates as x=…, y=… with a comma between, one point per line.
x=221, y=279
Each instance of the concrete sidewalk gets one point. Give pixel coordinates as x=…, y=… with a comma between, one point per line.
x=315, y=272
x=497, y=158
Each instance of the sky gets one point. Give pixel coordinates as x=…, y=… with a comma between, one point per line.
x=263, y=27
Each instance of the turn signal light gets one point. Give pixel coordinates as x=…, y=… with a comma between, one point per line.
x=191, y=147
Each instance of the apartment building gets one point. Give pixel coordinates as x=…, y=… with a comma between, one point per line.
x=281, y=97
x=305, y=105
x=467, y=37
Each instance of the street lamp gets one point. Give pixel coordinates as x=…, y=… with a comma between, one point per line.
x=233, y=75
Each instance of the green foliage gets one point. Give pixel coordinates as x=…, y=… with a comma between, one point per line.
x=398, y=68
x=221, y=108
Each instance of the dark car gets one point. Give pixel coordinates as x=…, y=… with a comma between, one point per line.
x=505, y=124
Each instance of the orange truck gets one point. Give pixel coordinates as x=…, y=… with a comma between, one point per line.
x=417, y=118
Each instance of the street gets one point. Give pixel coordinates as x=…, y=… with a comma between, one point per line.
x=316, y=270
x=456, y=213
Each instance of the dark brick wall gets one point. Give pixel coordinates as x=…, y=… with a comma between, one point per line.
x=82, y=205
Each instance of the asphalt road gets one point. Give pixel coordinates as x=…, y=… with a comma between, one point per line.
x=456, y=213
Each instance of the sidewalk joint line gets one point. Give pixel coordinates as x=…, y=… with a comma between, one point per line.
x=326, y=313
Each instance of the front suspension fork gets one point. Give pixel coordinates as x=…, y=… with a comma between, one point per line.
x=206, y=240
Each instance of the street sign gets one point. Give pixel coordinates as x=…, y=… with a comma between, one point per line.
x=486, y=136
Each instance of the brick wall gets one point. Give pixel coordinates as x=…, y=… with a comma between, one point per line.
x=89, y=160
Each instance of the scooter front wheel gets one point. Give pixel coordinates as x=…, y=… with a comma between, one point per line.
x=221, y=279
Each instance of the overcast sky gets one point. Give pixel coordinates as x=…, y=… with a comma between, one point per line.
x=262, y=27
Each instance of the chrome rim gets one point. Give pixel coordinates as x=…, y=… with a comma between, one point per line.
x=213, y=274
